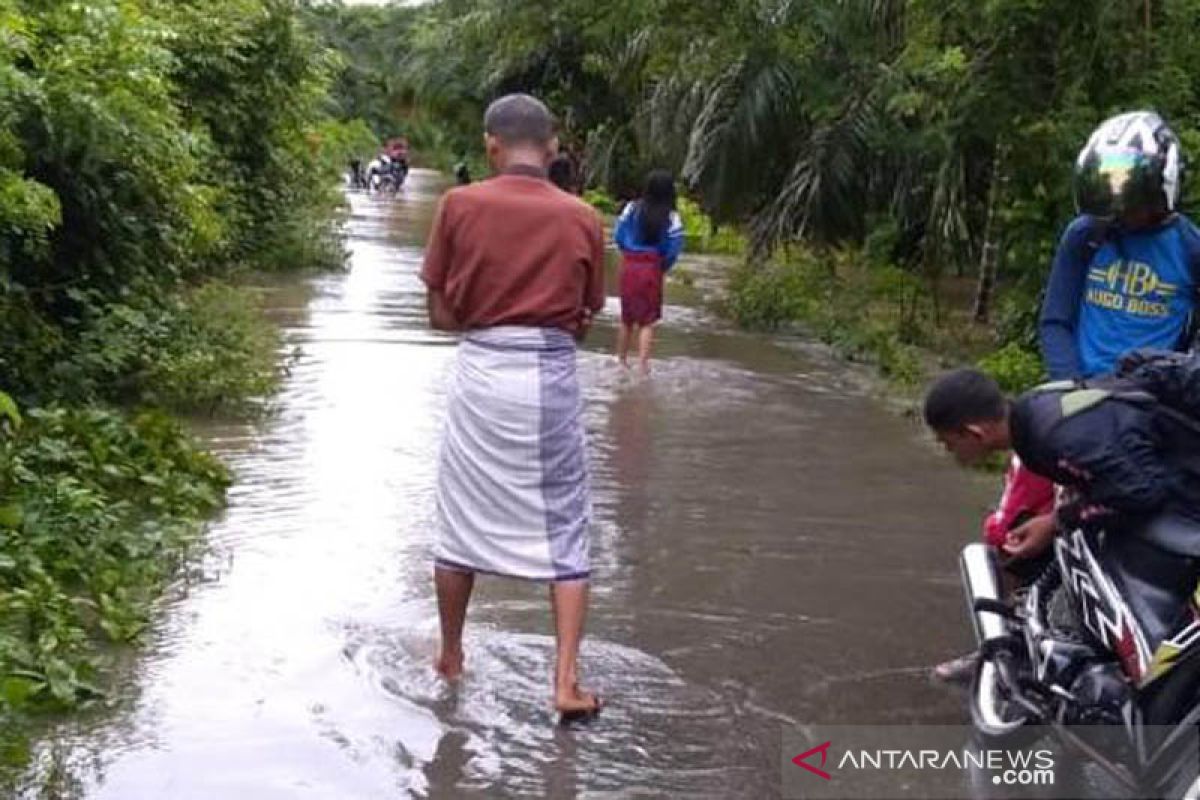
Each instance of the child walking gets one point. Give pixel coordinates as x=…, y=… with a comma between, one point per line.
x=649, y=234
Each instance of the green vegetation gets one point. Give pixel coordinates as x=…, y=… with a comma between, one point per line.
x=920, y=134
x=98, y=510
x=602, y=201
x=153, y=155
x=885, y=322
x=702, y=235
x=207, y=349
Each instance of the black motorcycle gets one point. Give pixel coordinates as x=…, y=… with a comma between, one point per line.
x=1106, y=657
x=389, y=179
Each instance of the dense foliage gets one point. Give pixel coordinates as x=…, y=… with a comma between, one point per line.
x=152, y=153
x=932, y=132
x=97, y=511
x=145, y=146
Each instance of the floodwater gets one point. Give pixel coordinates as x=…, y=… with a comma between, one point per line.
x=771, y=547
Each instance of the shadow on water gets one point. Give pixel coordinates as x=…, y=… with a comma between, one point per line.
x=770, y=547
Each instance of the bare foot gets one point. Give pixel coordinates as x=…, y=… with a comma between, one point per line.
x=449, y=665
x=645, y=368
x=574, y=703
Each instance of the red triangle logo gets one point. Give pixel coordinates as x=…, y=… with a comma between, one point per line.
x=801, y=760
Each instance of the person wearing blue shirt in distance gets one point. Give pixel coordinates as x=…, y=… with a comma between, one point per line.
x=649, y=234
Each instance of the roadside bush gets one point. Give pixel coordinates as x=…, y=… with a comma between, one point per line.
x=876, y=314
x=1014, y=368
x=602, y=201
x=151, y=153
x=208, y=350
x=701, y=236
x=96, y=512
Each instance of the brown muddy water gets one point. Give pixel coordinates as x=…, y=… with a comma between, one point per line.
x=771, y=547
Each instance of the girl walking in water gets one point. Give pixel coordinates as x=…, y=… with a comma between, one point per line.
x=649, y=234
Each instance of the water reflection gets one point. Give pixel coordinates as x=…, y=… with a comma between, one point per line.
x=770, y=547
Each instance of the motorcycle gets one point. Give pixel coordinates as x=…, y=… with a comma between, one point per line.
x=386, y=177
x=1093, y=680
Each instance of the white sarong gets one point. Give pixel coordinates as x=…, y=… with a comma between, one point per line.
x=512, y=487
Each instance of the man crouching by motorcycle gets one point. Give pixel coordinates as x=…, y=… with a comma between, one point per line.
x=1126, y=450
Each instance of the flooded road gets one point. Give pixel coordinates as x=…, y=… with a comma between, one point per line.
x=770, y=548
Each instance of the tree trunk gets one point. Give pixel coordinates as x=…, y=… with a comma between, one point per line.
x=989, y=255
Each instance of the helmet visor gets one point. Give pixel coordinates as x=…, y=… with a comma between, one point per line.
x=1115, y=182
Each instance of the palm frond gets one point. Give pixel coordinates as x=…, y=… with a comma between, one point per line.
x=824, y=195
x=748, y=125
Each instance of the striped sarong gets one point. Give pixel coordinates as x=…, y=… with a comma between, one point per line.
x=512, y=488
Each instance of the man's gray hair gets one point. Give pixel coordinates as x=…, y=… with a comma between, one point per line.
x=519, y=119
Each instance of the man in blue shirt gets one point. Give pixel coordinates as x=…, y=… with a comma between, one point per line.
x=1127, y=270
x=1124, y=276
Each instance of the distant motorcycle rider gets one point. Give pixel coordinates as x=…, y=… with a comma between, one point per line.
x=396, y=149
x=385, y=167
x=462, y=172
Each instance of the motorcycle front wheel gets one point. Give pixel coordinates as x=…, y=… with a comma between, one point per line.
x=994, y=713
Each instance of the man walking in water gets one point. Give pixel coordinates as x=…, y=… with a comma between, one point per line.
x=517, y=267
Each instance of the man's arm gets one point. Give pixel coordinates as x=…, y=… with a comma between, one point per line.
x=1026, y=494
x=1191, y=247
x=441, y=318
x=594, y=295
x=1059, y=318
x=593, y=289
x=439, y=251
x=1116, y=465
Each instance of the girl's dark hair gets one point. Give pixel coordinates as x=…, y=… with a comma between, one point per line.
x=655, y=207
x=562, y=173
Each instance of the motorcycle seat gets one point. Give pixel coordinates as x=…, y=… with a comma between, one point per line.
x=1174, y=533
